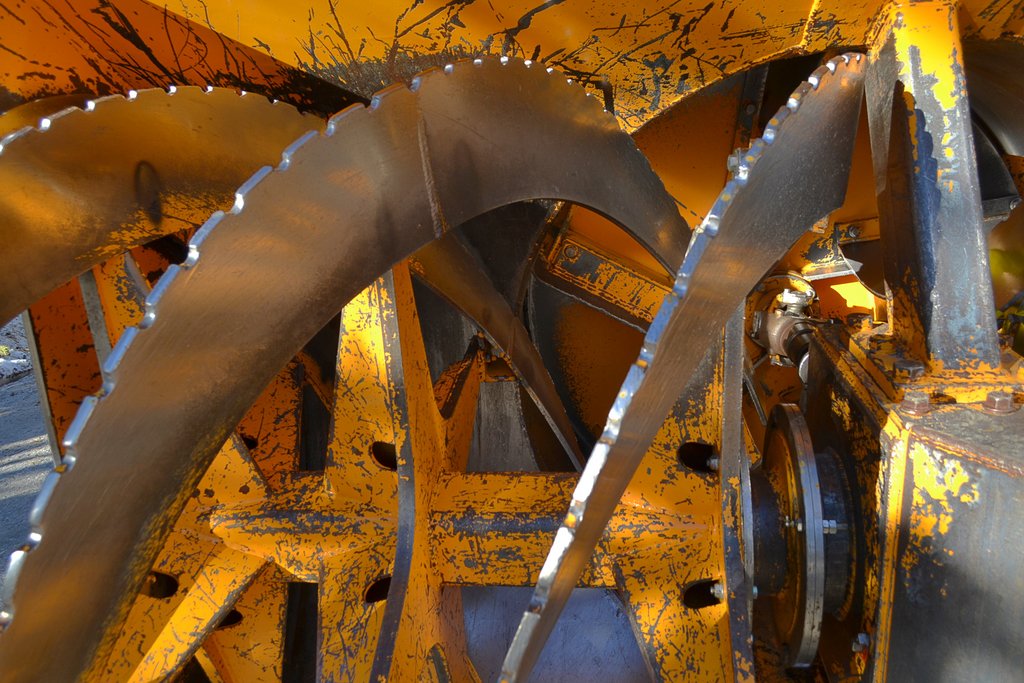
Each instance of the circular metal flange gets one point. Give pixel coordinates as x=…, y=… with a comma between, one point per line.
x=791, y=470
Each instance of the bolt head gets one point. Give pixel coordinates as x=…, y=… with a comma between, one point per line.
x=571, y=252
x=908, y=368
x=861, y=642
x=853, y=231
x=916, y=403
x=718, y=590
x=999, y=402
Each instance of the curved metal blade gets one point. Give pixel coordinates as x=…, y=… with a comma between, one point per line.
x=29, y=114
x=791, y=177
x=301, y=240
x=83, y=185
x=454, y=273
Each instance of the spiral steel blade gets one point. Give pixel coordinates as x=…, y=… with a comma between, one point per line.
x=84, y=184
x=301, y=240
x=791, y=177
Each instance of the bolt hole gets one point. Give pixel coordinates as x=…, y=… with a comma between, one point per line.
x=160, y=585
x=251, y=442
x=698, y=456
x=230, y=619
x=385, y=455
x=378, y=590
x=700, y=594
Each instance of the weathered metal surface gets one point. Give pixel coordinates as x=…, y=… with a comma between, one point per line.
x=927, y=183
x=69, y=367
x=452, y=119
x=737, y=503
x=157, y=162
x=98, y=48
x=711, y=283
x=957, y=549
x=419, y=617
x=649, y=55
x=642, y=59
x=847, y=413
x=921, y=478
x=894, y=373
x=335, y=528
x=582, y=271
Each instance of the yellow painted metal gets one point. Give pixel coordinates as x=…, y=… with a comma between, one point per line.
x=624, y=284
x=98, y=48
x=925, y=39
x=257, y=521
x=254, y=511
x=894, y=468
x=71, y=370
x=653, y=53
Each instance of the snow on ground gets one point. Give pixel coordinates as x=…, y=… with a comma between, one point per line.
x=15, y=361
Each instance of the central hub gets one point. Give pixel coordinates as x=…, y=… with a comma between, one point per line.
x=803, y=537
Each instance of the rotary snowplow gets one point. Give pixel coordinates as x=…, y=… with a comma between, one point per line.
x=518, y=341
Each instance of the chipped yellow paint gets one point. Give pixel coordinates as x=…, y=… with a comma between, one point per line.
x=70, y=370
x=431, y=616
x=628, y=286
x=939, y=483
x=931, y=31
x=655, y=52
x=254, y=510
x=877, y=353
x=890, y=496
x=215, y=588
x=121, y=297
x=365, y=403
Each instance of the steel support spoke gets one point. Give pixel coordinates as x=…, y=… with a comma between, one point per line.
x=367, y=428
x=350, y=613
x=223, y=577
x=420, y=616
x=493, y=528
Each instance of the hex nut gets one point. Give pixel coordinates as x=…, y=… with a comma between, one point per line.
x=999, y=402
x=915, y=403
